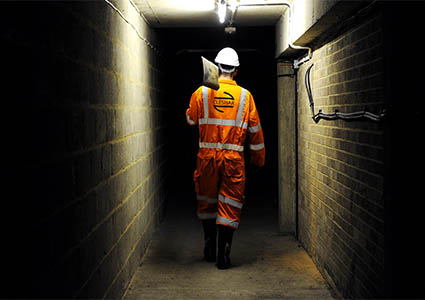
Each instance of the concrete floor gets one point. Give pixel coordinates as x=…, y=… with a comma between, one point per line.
x=266, y=265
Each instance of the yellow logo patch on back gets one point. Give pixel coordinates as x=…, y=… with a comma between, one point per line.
x=224, y=102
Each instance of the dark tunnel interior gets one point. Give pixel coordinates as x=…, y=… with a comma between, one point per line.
x=95, y=142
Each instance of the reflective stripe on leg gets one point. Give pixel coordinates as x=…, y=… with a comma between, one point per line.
x=205, y=198
x=230, y=201
x=226, y=221
x=207, y=207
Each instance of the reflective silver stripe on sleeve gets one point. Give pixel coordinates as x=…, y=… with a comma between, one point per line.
x=207, y=199
x=205, y=216
x=189, y=120
x=256, y=147
x=254, y=128
x=227, y=221
x=205, y=101
x=241, y=108
x=221, y=146
x=229, y=201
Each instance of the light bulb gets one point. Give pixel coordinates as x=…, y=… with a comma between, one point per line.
x=222, y=7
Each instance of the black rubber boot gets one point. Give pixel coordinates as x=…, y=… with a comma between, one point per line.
x=210, y=237
x=225, y=236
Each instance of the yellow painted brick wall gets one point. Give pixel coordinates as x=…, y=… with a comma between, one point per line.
x=341, y=171
x=94, y=161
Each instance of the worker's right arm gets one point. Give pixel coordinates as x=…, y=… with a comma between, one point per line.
x=192, y=113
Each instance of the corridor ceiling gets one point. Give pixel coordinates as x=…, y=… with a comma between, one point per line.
x=203, y=13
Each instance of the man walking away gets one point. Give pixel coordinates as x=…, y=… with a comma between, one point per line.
x=224, y=118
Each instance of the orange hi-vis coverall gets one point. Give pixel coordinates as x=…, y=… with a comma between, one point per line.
x=224, y=118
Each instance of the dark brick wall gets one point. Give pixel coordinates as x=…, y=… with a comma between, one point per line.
x=88, y=156
x=341, y=164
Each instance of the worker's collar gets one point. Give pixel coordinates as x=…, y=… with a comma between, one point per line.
x=227, y=81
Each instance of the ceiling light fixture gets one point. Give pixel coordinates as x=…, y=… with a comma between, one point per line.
x=222, y=8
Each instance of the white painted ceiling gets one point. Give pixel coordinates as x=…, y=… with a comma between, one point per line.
x=203, y=13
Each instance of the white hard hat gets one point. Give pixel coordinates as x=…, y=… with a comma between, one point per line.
x=227, y=56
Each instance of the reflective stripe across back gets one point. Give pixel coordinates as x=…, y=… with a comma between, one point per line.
x=223, y=122
x=221, y=146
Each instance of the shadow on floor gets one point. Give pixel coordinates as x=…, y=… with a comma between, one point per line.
x=266, y=265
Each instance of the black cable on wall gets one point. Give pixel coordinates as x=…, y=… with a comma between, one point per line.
x=364, y=114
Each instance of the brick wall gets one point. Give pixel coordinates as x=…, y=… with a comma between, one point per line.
x=89, y=136
x=341, y=164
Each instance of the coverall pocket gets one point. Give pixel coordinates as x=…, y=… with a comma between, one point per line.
x=234, y=169
x=233, y=181
x=204, y=175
